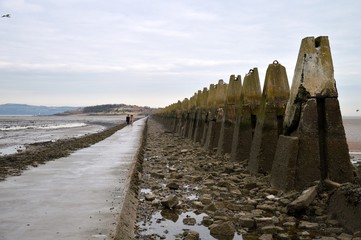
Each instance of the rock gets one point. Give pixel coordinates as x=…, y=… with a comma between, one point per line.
x=222, y=229
x=266, y=207
x=289, y=224
x=189, y=221
x=344, y=236
x=150, y=197
x=308, y=225
x=173, y=185
x=206, y=198
x=207, y=221
x=246, y=222
x=271, y=229
x=195, y=179
x=210, y=207
x=284, y=236
x=334, y=230
x=234, y=207
x=331, y=185
x=192, y=235
x=156, y=174
x=156, y=202
x=197, y=204
x=184, y=150
x=303, y=201
x=266, y=237
x=250, y=186
x=170, y=201
x=263, y=221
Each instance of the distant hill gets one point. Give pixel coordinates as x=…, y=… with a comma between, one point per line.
x=24, y=109
x=112, y=109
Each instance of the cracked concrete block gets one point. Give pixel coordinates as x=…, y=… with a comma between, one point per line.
x=269, y=119
x=246, y=119
x=201, y=116
x=233, y=98
x=215, y=116
x=313, y=115
x=284, y=164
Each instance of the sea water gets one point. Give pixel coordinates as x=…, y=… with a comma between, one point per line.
x=18, y=131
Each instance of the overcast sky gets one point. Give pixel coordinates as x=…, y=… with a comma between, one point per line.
x=153, y=53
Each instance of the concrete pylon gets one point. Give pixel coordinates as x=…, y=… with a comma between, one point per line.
x=269, y=126
x=210, y=109
x=246, y=116
x=233, y=98
x=183, y=117
x=201, y=116
x=215, y=116
x=313, y=124
x=177, y=116
x=194, y=105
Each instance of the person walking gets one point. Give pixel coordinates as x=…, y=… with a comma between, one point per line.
x=131, y=119
x=127, y=119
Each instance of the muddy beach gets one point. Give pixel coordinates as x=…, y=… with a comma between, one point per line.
x=187, y=192
x=39, y=153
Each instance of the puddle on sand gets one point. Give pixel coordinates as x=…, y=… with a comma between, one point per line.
x=168, y=224
x=145, y=190
x=11, y=149
x=192, y=197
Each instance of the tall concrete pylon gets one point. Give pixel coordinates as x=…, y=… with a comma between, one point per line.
x=201, y=116
x=215, y=116
x=210, y=111
x=194, y=105
x=269, y=126
x=246, y=116
x=233, y=98
x=314, y=133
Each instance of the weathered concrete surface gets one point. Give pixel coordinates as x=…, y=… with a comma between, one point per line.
x=345, y=206
x=194, y=105
x=269, y=119
x=284, y=164
x=211, y=112
x=313, y=115
x=246, y=116
x=77, y=197
x=201, y=116
x=215, y=115
x=314, y=72
x=233, y=99
x=183, y=124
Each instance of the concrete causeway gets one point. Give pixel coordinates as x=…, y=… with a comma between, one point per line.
x=76, y=197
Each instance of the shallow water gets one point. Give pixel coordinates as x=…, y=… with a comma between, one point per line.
x=17, y=131
x=168, y=224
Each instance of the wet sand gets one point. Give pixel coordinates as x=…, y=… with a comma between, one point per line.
x=76, y=197
x=217, y=198
x=40, y=153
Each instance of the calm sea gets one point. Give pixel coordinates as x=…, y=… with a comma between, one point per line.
x=17, y=131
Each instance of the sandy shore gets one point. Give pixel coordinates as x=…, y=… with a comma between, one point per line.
x=187, y=192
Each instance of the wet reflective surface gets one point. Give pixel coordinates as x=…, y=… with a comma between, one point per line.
x=17, y=131
x=77, y=197
x=170, y=224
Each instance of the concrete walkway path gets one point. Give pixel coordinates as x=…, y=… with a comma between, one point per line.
x=76, y=197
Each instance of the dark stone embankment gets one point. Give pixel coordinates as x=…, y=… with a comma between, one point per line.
x=40, y=153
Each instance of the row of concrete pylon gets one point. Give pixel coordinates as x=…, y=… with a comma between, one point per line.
x=296, y=134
